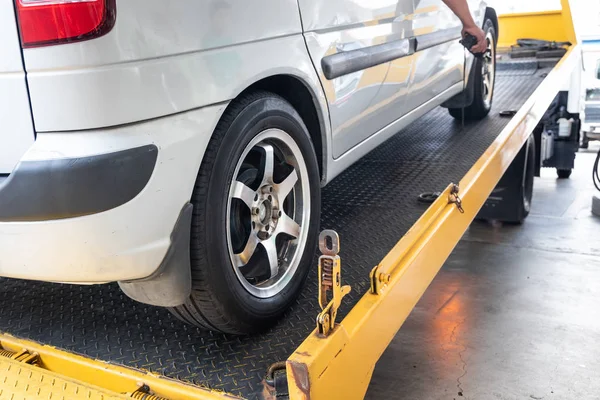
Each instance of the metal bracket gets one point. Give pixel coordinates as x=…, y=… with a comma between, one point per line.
x=23, y=356
x=378, y=280
x=454, y=199
x=330, y=279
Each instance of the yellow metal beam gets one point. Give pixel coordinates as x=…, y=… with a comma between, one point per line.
x=341, y=365
x=22, y=381
x=546, y=25
x=72, y=376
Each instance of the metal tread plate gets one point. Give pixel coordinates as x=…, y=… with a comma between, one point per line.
x=371, y=205
x=21, y=381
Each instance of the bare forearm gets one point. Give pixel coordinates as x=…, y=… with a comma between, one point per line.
x=461, y=9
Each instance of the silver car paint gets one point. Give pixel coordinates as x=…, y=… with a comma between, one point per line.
x=358, y=104
x=161, y=59
x=437, y=68
x=16, y=132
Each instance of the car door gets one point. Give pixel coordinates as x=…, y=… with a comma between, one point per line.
x=439, y=58
x=355, y=46
x=16, y=134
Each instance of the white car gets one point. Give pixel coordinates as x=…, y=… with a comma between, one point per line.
x=180, y=147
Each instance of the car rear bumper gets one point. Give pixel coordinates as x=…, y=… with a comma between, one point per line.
x=72, y=187
x=99, y=206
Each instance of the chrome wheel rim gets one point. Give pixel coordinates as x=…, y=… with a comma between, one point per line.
x=268, y=213
x=489, y=70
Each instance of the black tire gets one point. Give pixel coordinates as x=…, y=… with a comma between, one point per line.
x=563, y=173
x=479, y=108
x=524, y=183
x=516, y=188
x=527, y=186
x=219, y=301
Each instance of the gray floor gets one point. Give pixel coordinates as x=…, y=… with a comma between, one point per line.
x=514, y=313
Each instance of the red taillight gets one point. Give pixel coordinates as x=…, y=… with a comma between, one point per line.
x=44, y=22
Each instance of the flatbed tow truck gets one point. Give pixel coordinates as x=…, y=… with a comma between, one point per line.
x=69, y=342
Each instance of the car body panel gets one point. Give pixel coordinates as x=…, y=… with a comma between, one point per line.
x=16, y=133
x=160, y=60
x=358, y=107
x=439, y=67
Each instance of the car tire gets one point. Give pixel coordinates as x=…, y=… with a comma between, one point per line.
x=484, y=80
x=256, y=217
x=510, y=201
x=526, y=186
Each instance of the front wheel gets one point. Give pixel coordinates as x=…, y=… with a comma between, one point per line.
x=484, y=79
x=256, y=217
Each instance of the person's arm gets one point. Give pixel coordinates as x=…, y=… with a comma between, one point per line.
x=461, y=9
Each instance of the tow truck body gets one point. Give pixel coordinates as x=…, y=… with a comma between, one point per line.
x=56, y=341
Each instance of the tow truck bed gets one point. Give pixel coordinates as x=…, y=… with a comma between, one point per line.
x=100, y=322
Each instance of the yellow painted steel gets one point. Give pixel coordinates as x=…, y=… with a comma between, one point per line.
x=81, y=377
x=341, y=365
x=546, y=25
x=22, y=381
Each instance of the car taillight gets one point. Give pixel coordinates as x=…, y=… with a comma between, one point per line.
x=46, y=22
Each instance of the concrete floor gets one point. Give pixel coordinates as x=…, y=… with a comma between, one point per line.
x=515, y=311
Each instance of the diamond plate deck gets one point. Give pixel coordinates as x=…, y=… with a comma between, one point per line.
x=22, y=381
x=371, y=206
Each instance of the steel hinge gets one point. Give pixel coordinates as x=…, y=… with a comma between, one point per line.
x=330, y=281
x=378, y=280
x=23, y=356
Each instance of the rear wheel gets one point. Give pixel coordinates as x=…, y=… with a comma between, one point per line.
x=484, y=80
x=256, y=216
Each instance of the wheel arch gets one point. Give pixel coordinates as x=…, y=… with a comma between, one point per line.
x=305, y=101
x=300, y=95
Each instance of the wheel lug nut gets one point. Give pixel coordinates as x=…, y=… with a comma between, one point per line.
x=255, y=211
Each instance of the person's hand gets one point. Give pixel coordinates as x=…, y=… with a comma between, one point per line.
x=479, y=34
